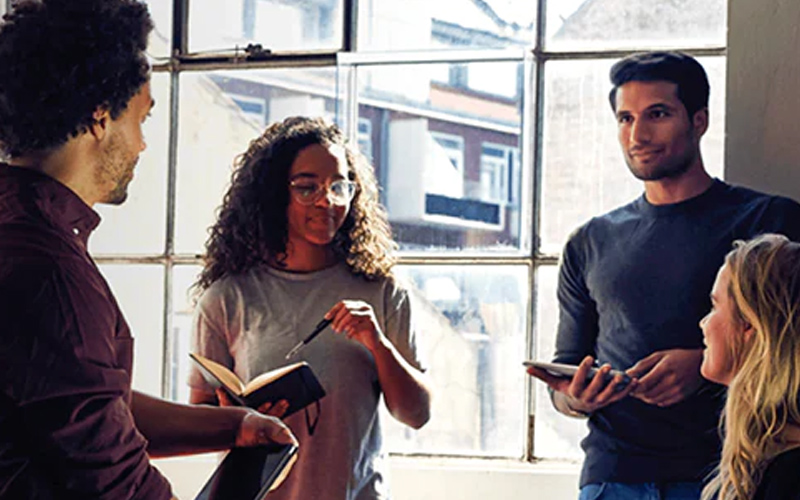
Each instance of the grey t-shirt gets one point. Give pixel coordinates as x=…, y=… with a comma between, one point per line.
x=249, y=322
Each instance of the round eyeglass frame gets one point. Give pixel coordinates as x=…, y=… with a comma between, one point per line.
x=324, y=190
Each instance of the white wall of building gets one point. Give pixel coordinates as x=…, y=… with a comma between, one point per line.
x=763, y=101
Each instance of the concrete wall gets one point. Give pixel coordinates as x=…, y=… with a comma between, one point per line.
x=763, y=95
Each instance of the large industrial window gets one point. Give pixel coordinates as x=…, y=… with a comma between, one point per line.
x=489, y=127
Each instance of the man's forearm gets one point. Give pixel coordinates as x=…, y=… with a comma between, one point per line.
x=178, y=429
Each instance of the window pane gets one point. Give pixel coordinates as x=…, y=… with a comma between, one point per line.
x=555, y=435
x=138, y=226
x=161, y=38
x=598, y=24
x=183, y=277
x=584, y=173
x=276, y=25
x=139, y=292
x=220, y=113
x=442, y=24
x=431, y=125
x=471, y=326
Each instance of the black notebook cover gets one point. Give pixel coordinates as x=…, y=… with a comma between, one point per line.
x=299, y=387
x=248, y=473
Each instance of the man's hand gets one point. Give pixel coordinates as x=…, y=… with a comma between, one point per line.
x=257, y=429
x=586, y=396
x=667, y=377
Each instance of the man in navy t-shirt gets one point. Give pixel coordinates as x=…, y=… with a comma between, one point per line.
x=634, y=284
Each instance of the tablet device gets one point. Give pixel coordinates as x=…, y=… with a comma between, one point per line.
x=249, y=473
x=567, y=371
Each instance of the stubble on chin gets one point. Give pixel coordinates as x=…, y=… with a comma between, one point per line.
x=658, y=172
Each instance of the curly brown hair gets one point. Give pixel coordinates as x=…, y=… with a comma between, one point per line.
x=252, y=227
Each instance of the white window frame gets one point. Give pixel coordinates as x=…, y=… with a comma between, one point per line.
x=260, y=101
x=455, y=154
x=507, y=165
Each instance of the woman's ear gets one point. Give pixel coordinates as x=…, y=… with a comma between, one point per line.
x=748, y=331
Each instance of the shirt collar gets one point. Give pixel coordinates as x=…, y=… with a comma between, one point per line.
x=57, y=203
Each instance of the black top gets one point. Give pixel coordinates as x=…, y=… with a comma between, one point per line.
x=781, y=480
x=66, y=353
x=635, y=281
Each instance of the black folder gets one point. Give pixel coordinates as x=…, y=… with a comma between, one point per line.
x=249, y=473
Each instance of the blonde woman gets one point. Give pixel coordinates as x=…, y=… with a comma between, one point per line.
x=752, y=337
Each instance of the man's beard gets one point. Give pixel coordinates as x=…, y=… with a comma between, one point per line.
x=670, y=170
x=116, y=167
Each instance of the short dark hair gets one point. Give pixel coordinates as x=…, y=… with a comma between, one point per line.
x=61, y=60
x=676, y=67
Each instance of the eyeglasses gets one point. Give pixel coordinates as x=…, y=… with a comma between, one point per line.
x=307, y=192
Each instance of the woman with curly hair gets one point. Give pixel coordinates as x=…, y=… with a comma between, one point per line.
x=752, y=337
x=301, y=236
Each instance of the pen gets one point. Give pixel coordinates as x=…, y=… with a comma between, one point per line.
x=317, y=329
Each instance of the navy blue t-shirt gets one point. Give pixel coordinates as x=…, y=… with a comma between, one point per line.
x=635, y=281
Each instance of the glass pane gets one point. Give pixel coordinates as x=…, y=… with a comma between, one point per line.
x=471, y=326
x=276, y=25
x=161, y=38
x=444, y=139
x=598, y=25
x=183, y=277
x=554, y=435
x=139, y=292
x=584, y=173
x=443, y=24
x=138, y=226
x=220, y=113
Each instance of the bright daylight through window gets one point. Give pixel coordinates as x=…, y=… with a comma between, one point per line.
x=488, y=125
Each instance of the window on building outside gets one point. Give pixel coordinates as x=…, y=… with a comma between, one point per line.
x=489, y=150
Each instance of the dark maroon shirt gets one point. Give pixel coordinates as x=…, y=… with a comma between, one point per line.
x=66, y=354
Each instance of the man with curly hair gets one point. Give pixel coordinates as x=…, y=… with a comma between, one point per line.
x=74, y=92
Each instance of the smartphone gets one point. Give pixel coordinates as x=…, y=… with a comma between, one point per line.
x=567, y=371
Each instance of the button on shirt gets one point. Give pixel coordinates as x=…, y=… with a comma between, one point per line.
x=66, y=354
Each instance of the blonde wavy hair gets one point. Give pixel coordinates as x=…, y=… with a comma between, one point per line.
x=763, y=394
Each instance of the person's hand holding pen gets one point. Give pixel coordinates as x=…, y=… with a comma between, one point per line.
x=356, y=320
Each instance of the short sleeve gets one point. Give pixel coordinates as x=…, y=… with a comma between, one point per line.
x=400, y=328
x=209, y=339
